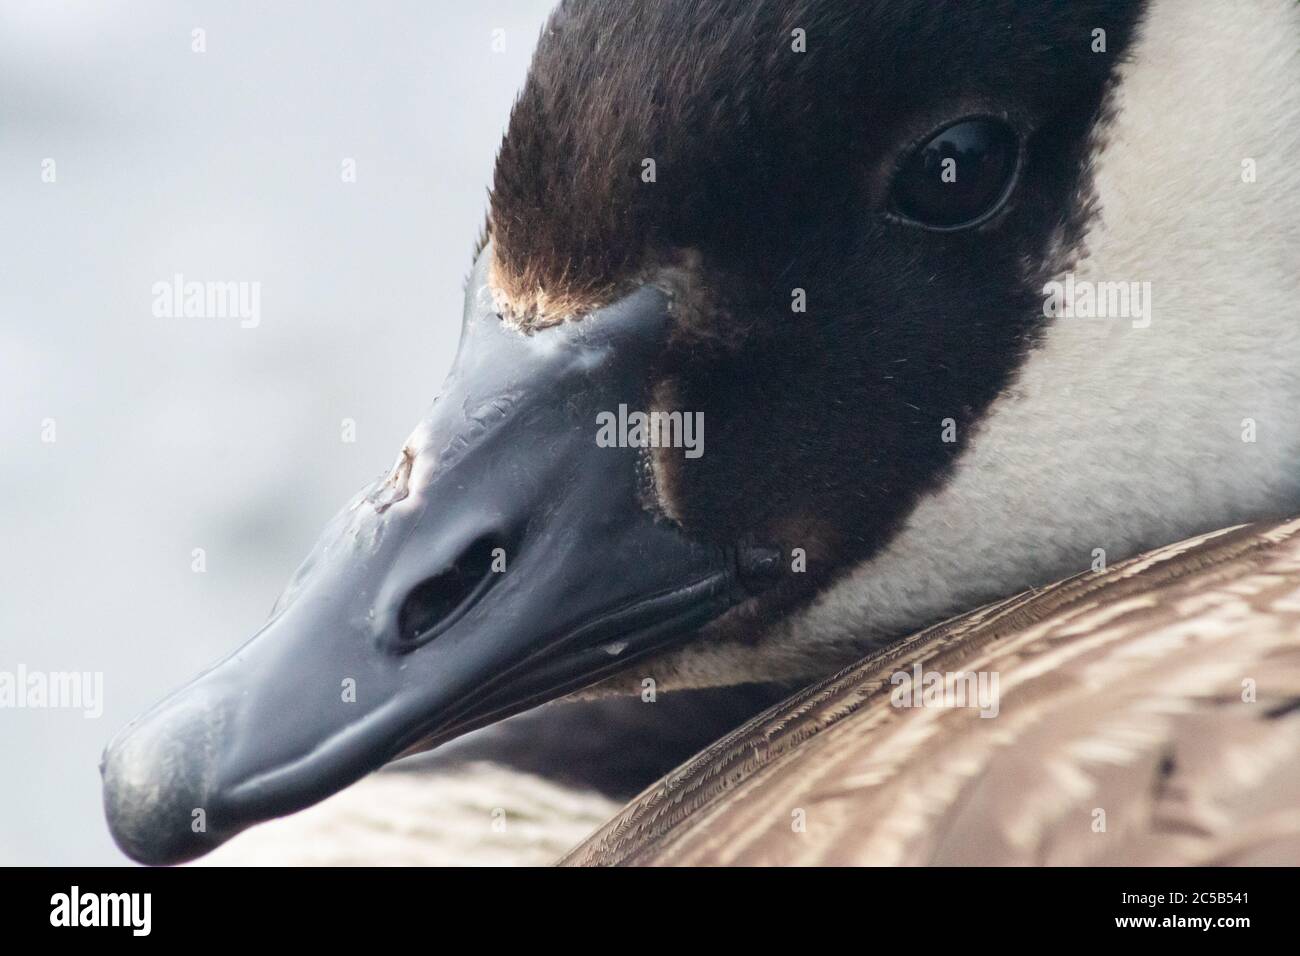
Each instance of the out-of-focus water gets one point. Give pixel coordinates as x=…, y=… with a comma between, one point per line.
x=173, y=434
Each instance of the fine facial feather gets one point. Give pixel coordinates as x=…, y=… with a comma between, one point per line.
x=1113, y=437
x=773, y=174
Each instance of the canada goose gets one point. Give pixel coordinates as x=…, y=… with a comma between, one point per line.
x=864, y=244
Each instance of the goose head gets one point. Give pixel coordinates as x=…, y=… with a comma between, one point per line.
x=812, y=240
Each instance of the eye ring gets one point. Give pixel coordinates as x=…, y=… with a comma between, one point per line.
x=916, y=199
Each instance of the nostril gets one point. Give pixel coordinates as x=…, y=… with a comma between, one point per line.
x=438, y=602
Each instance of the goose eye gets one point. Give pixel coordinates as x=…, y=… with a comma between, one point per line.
x=959, y=177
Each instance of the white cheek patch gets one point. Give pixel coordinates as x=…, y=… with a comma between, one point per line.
x=1127, y=432
x=1119, y=434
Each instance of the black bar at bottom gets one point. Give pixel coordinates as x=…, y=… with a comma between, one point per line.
x=638, y=907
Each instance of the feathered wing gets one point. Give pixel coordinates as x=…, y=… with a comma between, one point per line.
x=1145, y=714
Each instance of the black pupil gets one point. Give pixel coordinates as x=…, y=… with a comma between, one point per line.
x=959, y=176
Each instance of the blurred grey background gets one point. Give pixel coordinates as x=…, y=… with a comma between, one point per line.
x=180, y=433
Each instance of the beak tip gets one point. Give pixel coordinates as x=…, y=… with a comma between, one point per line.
x=154, y=791
x=143, y=827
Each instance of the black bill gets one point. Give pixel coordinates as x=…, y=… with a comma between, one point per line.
x=506, y=559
